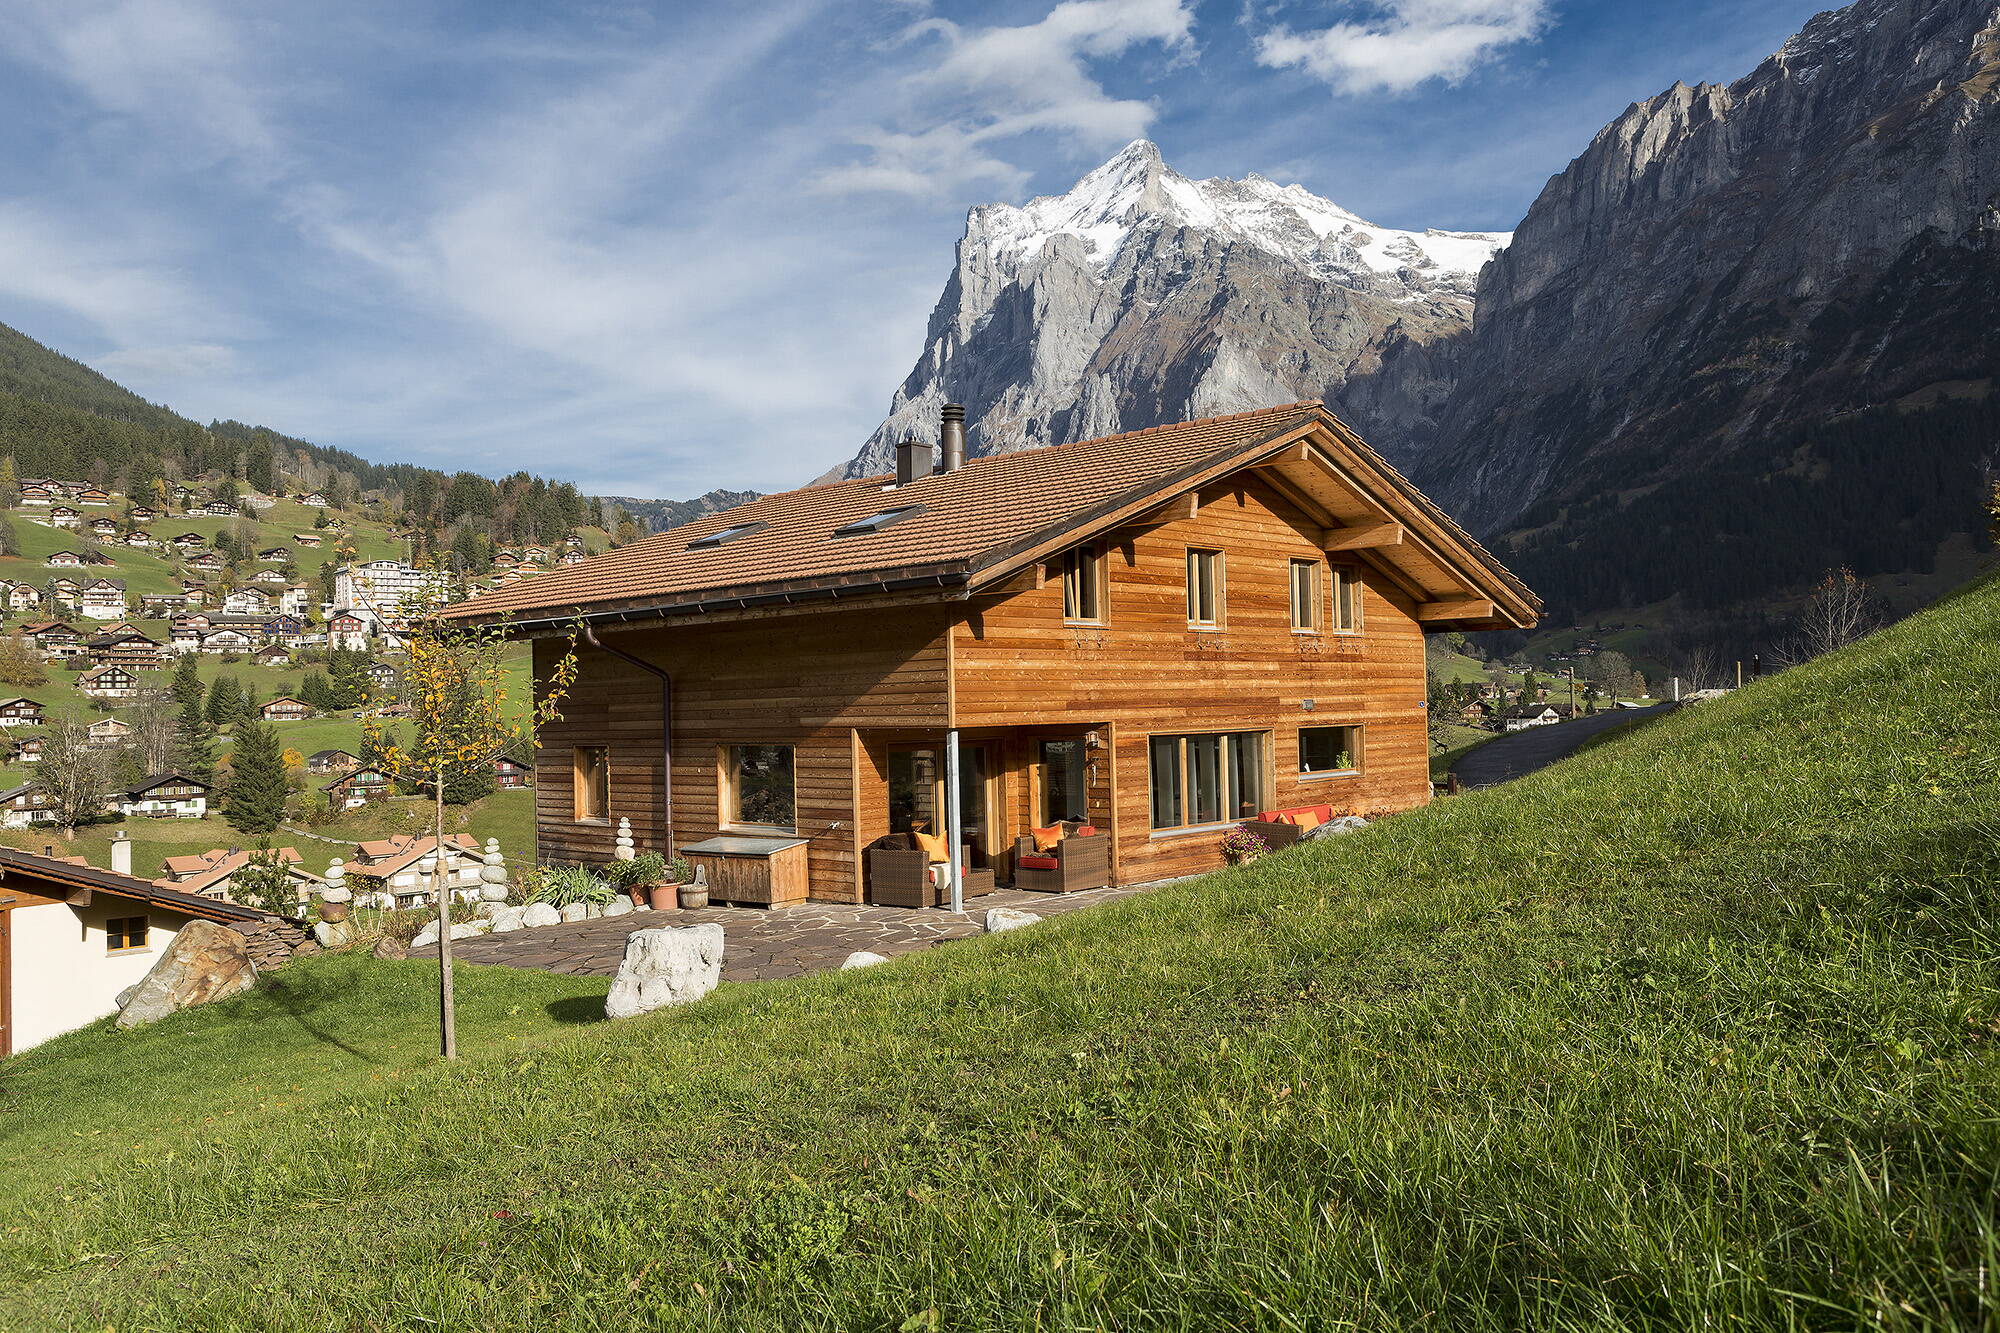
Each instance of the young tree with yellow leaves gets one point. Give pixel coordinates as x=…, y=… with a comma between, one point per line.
x=461, y=717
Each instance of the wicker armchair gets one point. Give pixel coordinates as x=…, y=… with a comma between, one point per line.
x=1277, y=832
x=1080, y=861
x=899, y=875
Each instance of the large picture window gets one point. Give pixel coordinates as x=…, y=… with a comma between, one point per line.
x=1204, y=587
x=760, y=786
x=1210, y=778
x=1083, y=584
x=1329, y=750
x=590, y=771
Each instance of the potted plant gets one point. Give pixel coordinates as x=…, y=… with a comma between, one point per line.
x=639, y=875
x=692, y=893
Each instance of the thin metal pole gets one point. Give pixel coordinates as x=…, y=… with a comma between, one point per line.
x=954, y=818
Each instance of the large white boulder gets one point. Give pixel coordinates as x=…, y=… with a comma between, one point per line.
x=540, y=914
x=665, y=965
x=506, y=918
x=618, y=906
x=465, y=930
x=863, y=958
x=1008, y=918
x=576, y=912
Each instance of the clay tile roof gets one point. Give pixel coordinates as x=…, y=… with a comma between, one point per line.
x=964, y=514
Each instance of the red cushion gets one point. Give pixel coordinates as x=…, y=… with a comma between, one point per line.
x=1038, y=863
x=1085, y=831
x=1325, y=813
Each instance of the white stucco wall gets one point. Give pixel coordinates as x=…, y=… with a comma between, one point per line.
x=63, y=975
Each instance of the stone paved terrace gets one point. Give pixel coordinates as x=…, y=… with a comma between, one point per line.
x=763, y=944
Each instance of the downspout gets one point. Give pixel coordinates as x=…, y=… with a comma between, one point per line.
x=666, y=732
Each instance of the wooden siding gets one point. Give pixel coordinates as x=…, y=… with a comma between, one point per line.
x=1145, y=672
x=808, y=681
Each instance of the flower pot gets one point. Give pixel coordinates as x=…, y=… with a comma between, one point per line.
x=662, y=897
x=694, y=895
x=641, y=894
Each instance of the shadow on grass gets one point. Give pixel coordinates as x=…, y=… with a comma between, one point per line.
x=578, y=1009
x=300, y=1005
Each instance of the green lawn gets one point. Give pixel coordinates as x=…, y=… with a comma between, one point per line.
x=1699, y=1029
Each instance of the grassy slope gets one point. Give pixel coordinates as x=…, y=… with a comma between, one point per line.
x=1695, y=1030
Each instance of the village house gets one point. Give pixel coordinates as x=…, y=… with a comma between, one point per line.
x=270, y=578
x=212, y=874
x=75, y=938
x=272, y=654
x=307, y=539
x=222, y=642
x=161, y=796
x=23, y=597
x=140, y=537
x=195, y=592
x=129, y=648
x=53, y=637
x=143, y=514
x=103, y=526
x=357, y=787
x=28, y=750
x=1522, y=716
x=190, y=541
x=109, y=732
x=26, y=805
x=392, y=866
x=36, y=493
x=162, y=603
x=573, y=556
x=208, y=562
x=103, y=599
x=214, y=509
x=247, y=602
x=92, y=495
x=331, y=761
x=296, y=601
x=64, y=591
x=108, y=682
x=383, y=678
x=348, y=630
x=314, y=499
x=1154, y=636
x=509, y=773
x=284, y=708
x=275, y=555
x=62, y=516
x=20, y=712
x=64, y=560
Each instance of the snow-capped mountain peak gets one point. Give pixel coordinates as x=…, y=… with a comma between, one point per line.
x=1137, y=190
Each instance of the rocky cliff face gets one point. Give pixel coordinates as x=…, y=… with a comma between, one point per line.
x=1141, y=296
x=1686, y=329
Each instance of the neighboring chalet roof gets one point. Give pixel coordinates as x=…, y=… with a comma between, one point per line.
x=204, y=870
x=984, y=522
x=390, y=855
x=146, y=784
x=323, y=756
x=81, y=881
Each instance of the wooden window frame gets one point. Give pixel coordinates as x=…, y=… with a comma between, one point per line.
x=726, y=789
x=579, y=811
x=1356, y=752
x=114, y=933
x=1212, y=559
x=1183, y=787
x=1350, y=575
x=1076, y=563
x=1314, y=602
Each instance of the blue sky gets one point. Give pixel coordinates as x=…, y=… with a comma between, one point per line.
x=660, y=248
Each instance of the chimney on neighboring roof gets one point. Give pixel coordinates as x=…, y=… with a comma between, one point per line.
x=913, y=460
x=951, y=438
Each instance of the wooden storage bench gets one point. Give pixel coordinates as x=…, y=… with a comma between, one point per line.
x=758, y=872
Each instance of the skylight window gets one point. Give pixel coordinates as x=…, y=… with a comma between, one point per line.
x=726, y=535
x=877, y=522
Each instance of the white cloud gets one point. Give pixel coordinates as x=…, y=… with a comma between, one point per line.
x=991, y=84
x=1404, y=43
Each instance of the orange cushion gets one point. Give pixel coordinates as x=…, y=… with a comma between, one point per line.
x=932, y=846
x=1046, y=838
x=1308, y=820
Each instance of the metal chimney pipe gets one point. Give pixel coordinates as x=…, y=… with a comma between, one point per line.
x=913, y=460
x=951, y=438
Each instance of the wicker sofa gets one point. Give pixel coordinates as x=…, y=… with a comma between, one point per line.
x=899, y=875
x=1282, y=828
x=1082, y=860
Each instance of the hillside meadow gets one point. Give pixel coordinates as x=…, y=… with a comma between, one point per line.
x=1697, y=1029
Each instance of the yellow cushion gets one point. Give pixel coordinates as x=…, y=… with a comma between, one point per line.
x=1047, y=838
x=933, y=847
x=1306, y=819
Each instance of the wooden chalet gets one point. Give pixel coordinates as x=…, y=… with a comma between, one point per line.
x=23, y=597
x=207, y=561
x=284, y=708
x=108, y=732
x=92, y=495
x=64, y=560
x=53, y=637
x=161, y=796
x=509, y=773
x=130, y=649
x=307, y=539
x=62, y=516
x=29, y=803
x=104, y=526
x=143, y=514
x=357, y=787
x=108, y=682
x=20, y=712
x=1152, y=636
x=103, y=599
x=331, y=761
x=38, y=493
x=189, y=541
